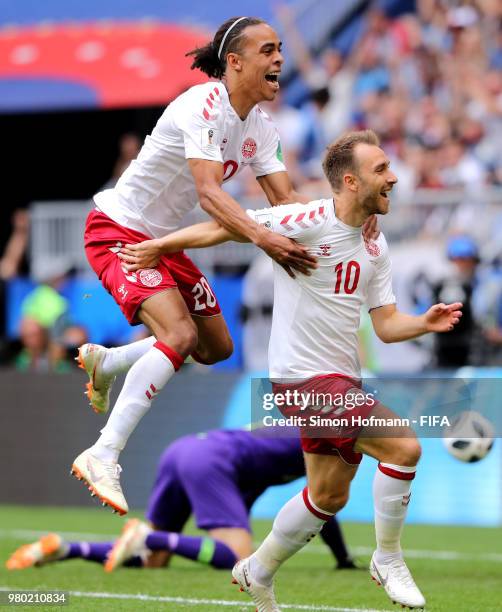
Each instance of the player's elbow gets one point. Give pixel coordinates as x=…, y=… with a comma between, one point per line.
x=383, y=326
x=385, y=338
x=383, y=334
x=208, y=194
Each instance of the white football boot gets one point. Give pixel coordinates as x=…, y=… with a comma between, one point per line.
x=262, y=595
x=102, y=479
x=398, y=583
x=50, y=547
x=90, y=358
x=131, y=543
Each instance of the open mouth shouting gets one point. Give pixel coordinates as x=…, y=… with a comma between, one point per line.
x=272, y=79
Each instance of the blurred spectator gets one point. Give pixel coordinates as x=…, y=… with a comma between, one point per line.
x=330, y=73
x=293, y=133
x=256, y=312
x=460, y=169
x=33, y=355
x=487, y=305
x=48, y=337
x=129, y=147
x=315, y=142
x=12, y=263
x=461, y=346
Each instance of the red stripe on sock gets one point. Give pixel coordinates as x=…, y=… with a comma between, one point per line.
x=147, y=393
x=395, y=473
x=310, y=507
x=175, y=358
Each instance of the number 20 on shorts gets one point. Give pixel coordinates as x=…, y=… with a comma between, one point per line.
x=198, y=290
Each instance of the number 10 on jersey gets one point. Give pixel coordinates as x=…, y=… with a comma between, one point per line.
x=347, y=276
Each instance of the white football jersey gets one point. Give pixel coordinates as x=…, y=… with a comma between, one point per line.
x=158, y=189
x=316, y=318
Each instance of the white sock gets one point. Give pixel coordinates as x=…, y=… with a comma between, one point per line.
x=121, y=358
x=143, y=381
x=391, y=496
x=293, y=528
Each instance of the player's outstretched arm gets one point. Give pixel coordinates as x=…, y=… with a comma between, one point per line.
x=147, y=254
x=208, y=176
x=390, y=325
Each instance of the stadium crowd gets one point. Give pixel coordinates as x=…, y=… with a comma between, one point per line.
x=429, y=83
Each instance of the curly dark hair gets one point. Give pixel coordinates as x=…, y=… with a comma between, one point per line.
x=206, y=58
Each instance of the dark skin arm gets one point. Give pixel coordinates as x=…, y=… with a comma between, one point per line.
x=235, y=223
x=208, y=176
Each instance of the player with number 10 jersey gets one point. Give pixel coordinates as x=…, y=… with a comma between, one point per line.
x=320, y=317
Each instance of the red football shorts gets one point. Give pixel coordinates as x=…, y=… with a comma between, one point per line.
x=333, y=399
x=103, y=239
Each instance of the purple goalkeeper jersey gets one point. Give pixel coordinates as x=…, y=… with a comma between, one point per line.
x=218, y=476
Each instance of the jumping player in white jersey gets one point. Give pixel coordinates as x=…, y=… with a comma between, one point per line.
x=205, y=137
x=313, y=348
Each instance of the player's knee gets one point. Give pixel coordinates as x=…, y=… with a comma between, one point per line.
x=408, y=452
x=331, y=501
x=182, y=338
x=226, y=350
x=215, y=352
x=221, y=352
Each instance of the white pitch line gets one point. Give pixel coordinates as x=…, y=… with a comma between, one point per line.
x=313, y=549
x=440, y=555
x=33, y=534
x=196, y=602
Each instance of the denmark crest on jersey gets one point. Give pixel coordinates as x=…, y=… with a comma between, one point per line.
x=372, y=248
x=249, y=148
x=150, y=277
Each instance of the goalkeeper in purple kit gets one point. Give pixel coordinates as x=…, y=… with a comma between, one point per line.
x=217, y=477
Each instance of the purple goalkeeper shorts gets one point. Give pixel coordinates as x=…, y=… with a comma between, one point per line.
x=196, y=474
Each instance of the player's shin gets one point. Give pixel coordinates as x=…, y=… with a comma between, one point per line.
x=298, y=521
x=143, y=382
x=391, y=496
x=91, y=551
x=198, y=548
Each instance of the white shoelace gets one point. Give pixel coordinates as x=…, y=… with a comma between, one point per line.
x=113, y=471
x=402, y=573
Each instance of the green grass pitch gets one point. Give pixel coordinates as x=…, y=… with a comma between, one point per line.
x=459, y=569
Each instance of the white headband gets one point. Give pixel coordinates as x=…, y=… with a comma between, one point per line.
x=226, y=34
